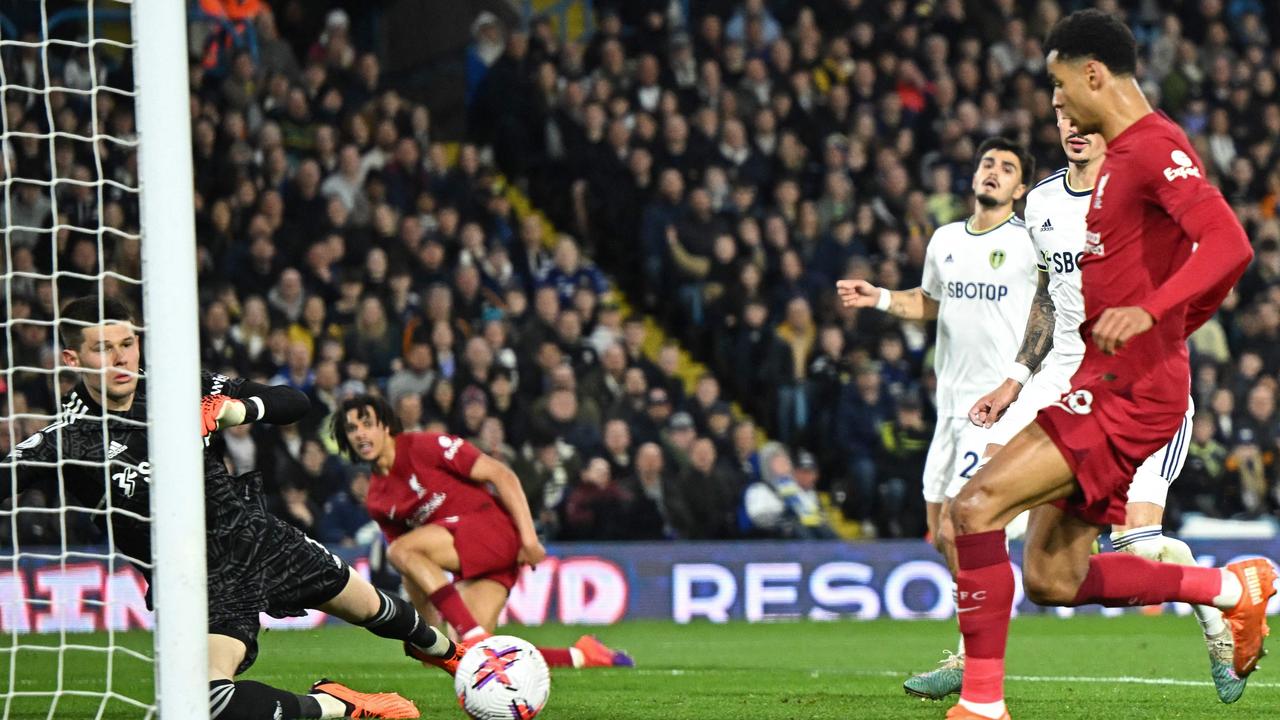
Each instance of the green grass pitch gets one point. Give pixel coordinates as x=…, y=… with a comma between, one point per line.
x=1089, y=667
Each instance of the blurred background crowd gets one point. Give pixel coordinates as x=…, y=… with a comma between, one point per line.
x=705, y=171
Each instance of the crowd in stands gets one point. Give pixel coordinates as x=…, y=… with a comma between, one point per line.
x=727, y=167
x=721, y=169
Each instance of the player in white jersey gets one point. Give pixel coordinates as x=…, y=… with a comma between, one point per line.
x=979, y=279
x=1052, y=346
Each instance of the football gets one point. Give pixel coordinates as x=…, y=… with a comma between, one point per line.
x=502, y=678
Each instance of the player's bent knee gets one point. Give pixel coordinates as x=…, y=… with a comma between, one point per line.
x=427, y=543
x=972, y=510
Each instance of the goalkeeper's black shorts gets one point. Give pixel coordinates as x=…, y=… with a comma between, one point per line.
x=258, y=563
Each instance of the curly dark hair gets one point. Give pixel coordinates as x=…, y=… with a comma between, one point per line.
x=1098, y=35
x=365, y=406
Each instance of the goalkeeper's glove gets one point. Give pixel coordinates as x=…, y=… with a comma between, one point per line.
x=218, y=412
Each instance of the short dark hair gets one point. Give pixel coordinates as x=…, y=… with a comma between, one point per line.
x=1025, y=161
x=83, y=312
x=1098, y=35
x=364, y=405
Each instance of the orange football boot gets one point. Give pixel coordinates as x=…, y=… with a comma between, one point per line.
x=368, y=705
x=1248, y=619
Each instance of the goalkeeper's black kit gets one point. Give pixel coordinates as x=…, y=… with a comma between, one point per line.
x=256, y=562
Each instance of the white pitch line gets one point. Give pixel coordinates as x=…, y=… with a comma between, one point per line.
x=1016, y=678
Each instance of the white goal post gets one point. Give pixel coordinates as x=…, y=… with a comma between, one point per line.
x=173, y=386
x=70, y=131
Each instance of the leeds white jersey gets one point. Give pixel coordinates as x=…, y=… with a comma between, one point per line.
x=1056, y=220
x=984, y=283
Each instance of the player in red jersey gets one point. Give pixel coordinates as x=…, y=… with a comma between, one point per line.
x=1163, y=250
x=430, y=494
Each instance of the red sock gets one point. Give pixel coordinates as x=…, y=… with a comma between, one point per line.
x=984, y=591
x=455, y=612
x=1124, y=580
x=557, y=657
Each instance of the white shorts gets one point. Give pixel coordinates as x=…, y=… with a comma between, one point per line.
x=1153, y=477
x=953, y=457
x=1045, y=387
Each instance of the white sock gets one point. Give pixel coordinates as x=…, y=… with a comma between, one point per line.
x=1161, y=548
x=475, y=632
x=1210, y=618
x=330, y=706
x=993, y=710
x=440, y=648
x=1146, y=541
x=578, y=657
x=1231, y=592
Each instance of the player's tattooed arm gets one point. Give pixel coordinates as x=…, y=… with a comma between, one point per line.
x=1037, y=341
x=912, y=304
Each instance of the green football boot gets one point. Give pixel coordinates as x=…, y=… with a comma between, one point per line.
x=1222, y=667
x=937, y=684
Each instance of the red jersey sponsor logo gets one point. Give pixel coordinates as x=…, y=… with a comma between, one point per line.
x=1185, y=167
x=451, y=446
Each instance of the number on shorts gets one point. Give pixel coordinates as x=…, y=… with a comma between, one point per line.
x=971, y=458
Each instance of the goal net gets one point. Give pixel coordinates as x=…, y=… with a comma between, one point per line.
x=93, y=150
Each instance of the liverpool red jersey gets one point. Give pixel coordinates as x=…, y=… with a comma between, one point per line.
x=1149, y=188
x=428, y=483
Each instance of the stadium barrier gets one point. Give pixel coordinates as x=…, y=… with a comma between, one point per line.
x=602, y=583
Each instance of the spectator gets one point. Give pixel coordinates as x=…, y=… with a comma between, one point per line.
x=417, y=374
x=652, y=487
x=677, y=439
x=617, y=448
x=706, y=497
x=780, y=505
x=896, y=507
x=1200, y=487
x=597, y=507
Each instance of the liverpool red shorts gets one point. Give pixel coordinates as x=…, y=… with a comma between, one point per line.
x=487, y=545
x=1104, y=436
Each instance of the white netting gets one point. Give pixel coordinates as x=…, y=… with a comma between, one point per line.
x=72, y=609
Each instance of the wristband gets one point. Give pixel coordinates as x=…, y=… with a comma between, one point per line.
x=1018, y=373
x=883, y=303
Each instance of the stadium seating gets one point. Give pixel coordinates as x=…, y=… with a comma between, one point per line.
x=719, y=171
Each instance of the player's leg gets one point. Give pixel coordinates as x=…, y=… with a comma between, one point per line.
x=1142, y=535
x=388, y=616
x=486, y=598
x=1031, y=471
x=1142, y=532
x=1027, y=472
x=941, y=471
x=251, y=700
x=422, y=556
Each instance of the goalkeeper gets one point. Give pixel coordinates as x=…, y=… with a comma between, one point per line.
x=256, y=563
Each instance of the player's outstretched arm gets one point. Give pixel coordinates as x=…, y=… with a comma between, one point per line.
x=511, y=495
x=1037, y=341
x=911, y=304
